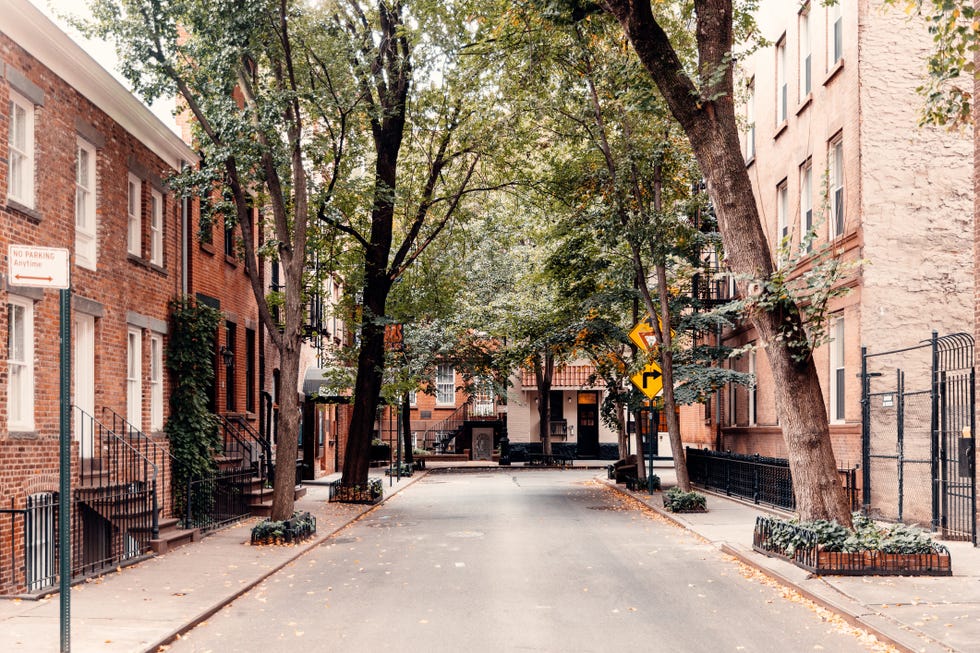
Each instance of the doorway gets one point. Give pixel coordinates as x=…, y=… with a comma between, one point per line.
x=588, y=425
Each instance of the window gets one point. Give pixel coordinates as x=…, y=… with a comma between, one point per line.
x=836, y=176
x=806, y=206
x=835, y=23
x=753, y=394
x=483, y=404
x=20, y=364
x=750, y=121
x=413, y=397
x=134, y=378
x=837, y=369
x=134, y=221
x=40, y=541
x=250, y=370
x=20, y=176
x=156, y=382
x=85, y=219
x=782, y=207
x=445, y=385
x=229, y=240
x=156, y=228
x=806, y=52
x=782, y=92
x=229, y=354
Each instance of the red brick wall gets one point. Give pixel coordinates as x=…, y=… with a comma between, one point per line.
x=121, y=284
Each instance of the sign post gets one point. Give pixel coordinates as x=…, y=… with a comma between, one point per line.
x=48, y=267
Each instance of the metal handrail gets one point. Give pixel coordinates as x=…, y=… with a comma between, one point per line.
x=119, y=440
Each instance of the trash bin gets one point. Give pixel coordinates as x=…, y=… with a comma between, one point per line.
x=504, y=451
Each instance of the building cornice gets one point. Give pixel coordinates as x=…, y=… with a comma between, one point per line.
x=29, y=28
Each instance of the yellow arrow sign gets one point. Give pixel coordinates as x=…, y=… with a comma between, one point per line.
x=649, y=380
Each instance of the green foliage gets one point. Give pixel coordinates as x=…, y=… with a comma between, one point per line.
x=677, y=500
x=192, y=429
x=867, y=535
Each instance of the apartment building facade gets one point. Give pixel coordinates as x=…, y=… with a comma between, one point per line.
x=83, y=167
x=834, y=150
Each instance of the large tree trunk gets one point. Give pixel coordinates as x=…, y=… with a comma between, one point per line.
x=409, y=454
x=283, y=496
x=707, y=116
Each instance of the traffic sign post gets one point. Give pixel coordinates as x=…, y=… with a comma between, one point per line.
x=48, y=267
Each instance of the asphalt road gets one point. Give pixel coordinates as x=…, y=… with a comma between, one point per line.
x=516, y=561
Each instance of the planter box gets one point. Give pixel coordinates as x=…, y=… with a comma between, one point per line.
x=371, y=494
x=292, y=531
x=859, y=563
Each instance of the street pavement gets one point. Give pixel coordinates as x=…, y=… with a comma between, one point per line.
x=153, y=602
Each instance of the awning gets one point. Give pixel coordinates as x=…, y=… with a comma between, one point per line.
x=316, y=386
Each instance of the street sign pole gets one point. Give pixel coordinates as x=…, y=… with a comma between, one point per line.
x=49, y=267
x=64, y=489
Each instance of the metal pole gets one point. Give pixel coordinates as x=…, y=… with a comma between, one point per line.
x=901, y=442
x=934, y=428
x=64, y=488
x=655, y=415
x=398, y=432
x=865, y=432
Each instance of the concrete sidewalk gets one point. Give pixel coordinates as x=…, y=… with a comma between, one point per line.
x=916, y=613
x=149, y=603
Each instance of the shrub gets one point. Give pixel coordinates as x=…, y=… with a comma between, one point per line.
x=677, y=500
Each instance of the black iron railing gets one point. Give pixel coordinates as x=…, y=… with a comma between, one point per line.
x=760, y=479
x=214, y=501
x=118, y=459
x=241, y=441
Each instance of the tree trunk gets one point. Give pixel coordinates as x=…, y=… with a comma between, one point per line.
x=707, y=115
x=284, y=495
x=407, y=430
x=623, y=434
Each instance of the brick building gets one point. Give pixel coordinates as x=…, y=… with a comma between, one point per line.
x=83, y=166
x=832, y=144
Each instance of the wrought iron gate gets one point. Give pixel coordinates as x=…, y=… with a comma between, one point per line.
x=917, y=435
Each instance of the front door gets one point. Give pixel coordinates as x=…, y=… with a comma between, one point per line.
x=588, y=425
x=84, y=371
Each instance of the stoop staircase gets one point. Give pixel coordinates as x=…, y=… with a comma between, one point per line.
x=243, y=448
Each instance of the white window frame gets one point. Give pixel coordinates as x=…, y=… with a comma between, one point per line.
x=134, y=377
x=782, y=87
x=806, y=53
x=20, y=156
x=837, y=371
x=156, y=227
x=86, y=219
x=20, y=365
x=752, y=388
x=445, y=385
x=782, y=209
x=750, y=121
x=484, y=404
x=806, y=205
x=835, y=176
x=156, y=382
x=835, y=35
x=413, y=397
x=134, y=215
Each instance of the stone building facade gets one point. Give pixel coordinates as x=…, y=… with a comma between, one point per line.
x=833, y=146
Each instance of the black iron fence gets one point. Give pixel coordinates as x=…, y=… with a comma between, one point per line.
x=213, y=501
x=110, y=526
x=371, y=493
x=760, y=479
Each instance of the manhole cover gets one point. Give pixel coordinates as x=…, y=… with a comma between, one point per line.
x=343, y=540
x=602, y=507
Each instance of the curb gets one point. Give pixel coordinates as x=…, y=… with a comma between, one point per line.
x=239, y=592
x=848, y=609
